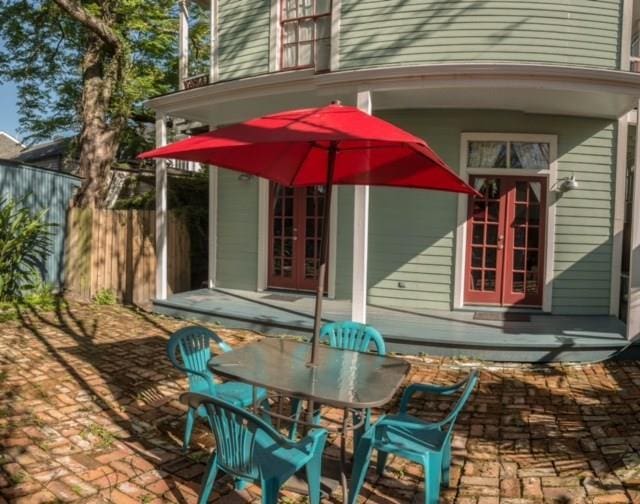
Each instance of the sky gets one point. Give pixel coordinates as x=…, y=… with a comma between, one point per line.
x=9, y=107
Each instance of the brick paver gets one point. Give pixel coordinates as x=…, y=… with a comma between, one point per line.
x=89, y=412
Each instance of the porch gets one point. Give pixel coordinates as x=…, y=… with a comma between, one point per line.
x=495, y=336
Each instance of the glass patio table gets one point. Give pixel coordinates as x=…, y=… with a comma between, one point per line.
x=342, y=378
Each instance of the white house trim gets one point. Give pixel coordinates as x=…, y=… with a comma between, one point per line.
x=161, y=212
x=336, y=16
x=263, y=234
x=183, y=42
x=618, y=214
x=213, y=226
x=626, y=35
x=633, y=299
x=274, y=37
x=461, y=229
x=360, y=236
x=263, y=239
x=213, y=41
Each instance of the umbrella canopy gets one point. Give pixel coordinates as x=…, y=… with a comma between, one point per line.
x=293, y=149
x=321, y=146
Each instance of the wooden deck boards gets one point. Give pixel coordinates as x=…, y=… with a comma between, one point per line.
x=543, y=338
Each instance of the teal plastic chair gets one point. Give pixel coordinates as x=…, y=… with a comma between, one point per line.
x=346, y=335
x=250, y=450
x=408, y=437
x=194, y=346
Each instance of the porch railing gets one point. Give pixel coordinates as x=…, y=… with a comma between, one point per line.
x=196, y=81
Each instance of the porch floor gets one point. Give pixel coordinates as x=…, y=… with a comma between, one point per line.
x=543, y=338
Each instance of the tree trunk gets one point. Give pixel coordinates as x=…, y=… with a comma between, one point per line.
x=98, y=142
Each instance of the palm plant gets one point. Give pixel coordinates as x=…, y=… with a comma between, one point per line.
x=25, y=242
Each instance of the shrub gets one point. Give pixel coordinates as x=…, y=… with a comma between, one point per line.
x=105, y=297
x=25, y=242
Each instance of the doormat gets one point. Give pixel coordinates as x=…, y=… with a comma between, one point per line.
x=502, y=317
x=282, y=297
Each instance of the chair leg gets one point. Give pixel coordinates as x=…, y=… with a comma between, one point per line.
x=208, y=479
x=381, y=462
x=270, y=489
x=446, y=464
x=188, y=429
x=361, y=460
x=432, y=472
x=314, y=471
x=296, y=409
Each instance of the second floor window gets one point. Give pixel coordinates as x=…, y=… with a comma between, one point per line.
x=306, y=34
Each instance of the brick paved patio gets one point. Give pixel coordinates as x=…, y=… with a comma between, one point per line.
x=89, y=413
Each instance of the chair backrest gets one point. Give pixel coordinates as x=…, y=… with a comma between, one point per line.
x=236, y=431
x=352, y=336
x=194, y=345
x=451, y=418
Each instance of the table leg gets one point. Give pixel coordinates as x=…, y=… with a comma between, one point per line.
x=343, y=457
x=311, y=407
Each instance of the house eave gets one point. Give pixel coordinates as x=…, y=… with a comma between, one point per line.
x=611, y=92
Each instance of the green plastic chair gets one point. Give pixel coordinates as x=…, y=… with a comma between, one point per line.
x=194, y=346
x=346, y=335
x=250, y=450
x=408, y=437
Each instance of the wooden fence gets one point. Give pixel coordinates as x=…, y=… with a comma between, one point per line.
x=115, y=249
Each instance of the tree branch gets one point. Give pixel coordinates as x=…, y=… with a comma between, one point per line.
x=94, y=24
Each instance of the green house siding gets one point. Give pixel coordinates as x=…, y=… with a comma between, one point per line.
x=237, y=249
x=243, y=48
x=413, y=32
x=412, y=232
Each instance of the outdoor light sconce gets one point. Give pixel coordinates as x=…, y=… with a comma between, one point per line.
x=245, y=177
x=568, y=184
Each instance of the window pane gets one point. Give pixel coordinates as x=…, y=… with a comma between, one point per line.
x=532, y=156
x=305, y=54
x=487, y=155
x=306, y=7
x=323, y=28
x=323, y=6
x=323, y=54
x=306, y=30
x=290, y=31
x=290, y=56
x=290, y=9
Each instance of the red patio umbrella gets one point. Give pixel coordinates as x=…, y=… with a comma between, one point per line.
x=329, y=145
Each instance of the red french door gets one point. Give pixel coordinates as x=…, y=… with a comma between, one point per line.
x=295, y=229
x=505, y=242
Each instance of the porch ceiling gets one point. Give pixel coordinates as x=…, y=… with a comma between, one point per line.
x=541, y=89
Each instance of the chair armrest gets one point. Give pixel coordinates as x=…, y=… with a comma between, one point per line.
x=316, y=438
x=428, y=388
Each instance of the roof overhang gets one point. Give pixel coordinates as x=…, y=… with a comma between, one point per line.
x=541, y=89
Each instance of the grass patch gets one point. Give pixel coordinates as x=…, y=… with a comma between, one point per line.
x=17, y=478
x=105, y=297
x=105, y=438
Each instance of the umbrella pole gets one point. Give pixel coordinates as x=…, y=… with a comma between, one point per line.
x=324, y=249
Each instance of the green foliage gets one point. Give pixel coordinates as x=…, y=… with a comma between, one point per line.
x=25, y=241
x=43, y=49
x=105, y=297
x=42, y=297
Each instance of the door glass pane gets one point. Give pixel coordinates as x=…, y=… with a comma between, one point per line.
x=521, y=191
x=476, y=257
x=530, y=156
x=492, y=235
x=532, y=282
x=520, y=236
x=478, y=234
x=490, y=281
x=487, y=155
x=534, y=215
x=494, y=212
x=491, y=258
x=518, y=282
x=532, y=260
x=518, y=259
x=478, y=210
x=533, y=235
x=476, y=280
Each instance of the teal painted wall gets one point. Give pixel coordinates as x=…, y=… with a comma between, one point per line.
x=243, y=47
x=412, y=232
x=412, y=32
x=237, y=266
x=43, y=189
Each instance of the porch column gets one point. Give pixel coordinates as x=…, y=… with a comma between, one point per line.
x=161, y=211
x=213, y=225
x=213, y=42
x=633, y=306
x=360, y=236
x=183, y=43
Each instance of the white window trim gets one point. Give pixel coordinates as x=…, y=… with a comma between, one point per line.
x=336, y=16
x=461, y=230
x=274, y=37
x=263, y=238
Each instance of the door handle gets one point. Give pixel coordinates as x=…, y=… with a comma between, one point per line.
x=500, y=242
